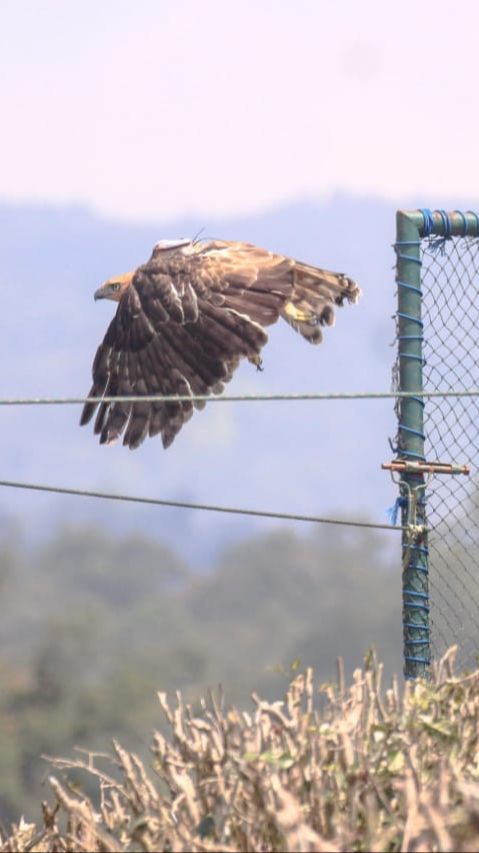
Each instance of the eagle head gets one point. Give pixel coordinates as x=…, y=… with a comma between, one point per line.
x=114, y=287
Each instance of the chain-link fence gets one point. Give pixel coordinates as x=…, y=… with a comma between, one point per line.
x=450, y=285
x=446, y=430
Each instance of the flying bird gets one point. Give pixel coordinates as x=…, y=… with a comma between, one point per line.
x=187, y=317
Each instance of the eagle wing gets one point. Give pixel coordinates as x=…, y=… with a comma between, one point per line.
x=181, y=328
x=185, y=321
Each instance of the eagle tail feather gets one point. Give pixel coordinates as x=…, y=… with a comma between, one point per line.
x=89, y=408
x=315, y=293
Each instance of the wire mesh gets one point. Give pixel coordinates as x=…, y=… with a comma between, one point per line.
x=450, y=312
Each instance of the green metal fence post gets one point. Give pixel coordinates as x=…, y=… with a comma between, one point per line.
x=412, y=227
x=415, y=581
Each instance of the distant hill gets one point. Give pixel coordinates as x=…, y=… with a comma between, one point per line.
x=299, y=457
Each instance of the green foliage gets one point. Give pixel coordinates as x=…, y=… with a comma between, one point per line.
x=93, y=626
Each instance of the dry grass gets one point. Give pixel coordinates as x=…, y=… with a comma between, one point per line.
x=373, y=770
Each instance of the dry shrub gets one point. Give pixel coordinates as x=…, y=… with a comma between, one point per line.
x=372, y=769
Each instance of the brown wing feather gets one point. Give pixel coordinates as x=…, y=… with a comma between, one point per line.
x=185, y=321
x=168, y=337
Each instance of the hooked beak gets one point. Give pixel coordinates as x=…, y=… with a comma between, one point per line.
x=99, y=294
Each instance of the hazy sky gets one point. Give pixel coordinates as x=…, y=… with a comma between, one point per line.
x=156, y=108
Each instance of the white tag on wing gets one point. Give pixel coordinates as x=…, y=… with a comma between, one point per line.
x=164, y=245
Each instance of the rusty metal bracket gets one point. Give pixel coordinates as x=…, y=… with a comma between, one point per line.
x=406, y=465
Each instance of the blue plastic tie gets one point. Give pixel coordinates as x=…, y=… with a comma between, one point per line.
x=413, y=592
x=413, y=356
x=393, y=511
x=416, y=400
x=408, y=286
x=439, y=244
x=447, y=224
x=409, y=317
x=409, y=258
x=412, y=431
x=417, y=660
x=419, y=456
x=428, y=225
x=394, y=447
x=423, y=548
x=418, y=627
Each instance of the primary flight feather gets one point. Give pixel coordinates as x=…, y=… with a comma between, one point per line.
x=186, y=318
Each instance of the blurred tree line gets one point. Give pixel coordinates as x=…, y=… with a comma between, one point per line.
x=93, y=625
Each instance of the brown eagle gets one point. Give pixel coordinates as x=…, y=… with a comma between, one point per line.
x=186, y=318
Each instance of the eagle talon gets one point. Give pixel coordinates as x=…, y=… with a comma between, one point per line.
x=257, y=361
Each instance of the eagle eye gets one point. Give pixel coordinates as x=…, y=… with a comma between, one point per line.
x=115, y=285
